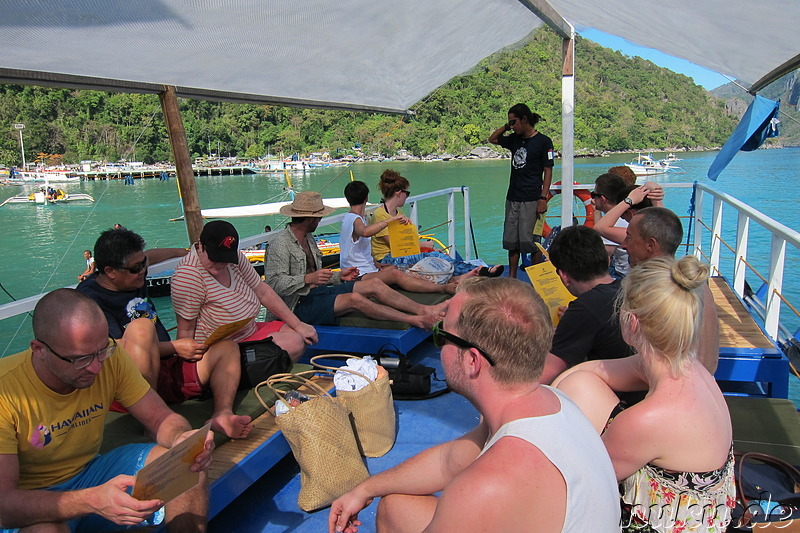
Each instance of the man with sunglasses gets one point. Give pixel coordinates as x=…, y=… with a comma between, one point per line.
x=531, y=175
x=178, y=369
x=54, y=399
x=533, y=463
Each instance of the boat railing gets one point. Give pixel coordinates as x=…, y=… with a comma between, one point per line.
x=26, y=305
x=711, y=243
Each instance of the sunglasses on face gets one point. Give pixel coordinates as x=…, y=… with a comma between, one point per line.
x=406, y=191
x=442, y=337
x=595, y=194
x=135, y=268
x=512, y=122
x=82, y=361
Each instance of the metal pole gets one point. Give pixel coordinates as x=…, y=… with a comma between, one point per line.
x=21, y=127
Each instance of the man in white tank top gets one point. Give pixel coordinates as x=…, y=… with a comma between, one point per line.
x=533, y=463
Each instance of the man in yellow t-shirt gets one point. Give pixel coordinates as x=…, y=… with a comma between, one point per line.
x=53, y=405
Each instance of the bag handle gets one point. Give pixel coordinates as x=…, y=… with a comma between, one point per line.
x=293, y=379
x=788, y=469
x=335, y=368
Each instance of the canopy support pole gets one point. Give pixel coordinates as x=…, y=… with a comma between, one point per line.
x=567, y=127
x=183, y=163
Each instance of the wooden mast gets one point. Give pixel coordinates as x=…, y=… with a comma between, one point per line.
x=183, y=163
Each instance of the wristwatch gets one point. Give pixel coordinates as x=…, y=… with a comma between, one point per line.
x=628, y=201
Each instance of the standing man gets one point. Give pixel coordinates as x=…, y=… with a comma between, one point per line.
x=54, y=399
x=533, y=463
x=531, y=175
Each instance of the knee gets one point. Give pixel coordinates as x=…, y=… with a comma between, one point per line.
x=292, y=342
x=140, y=331
x=387, y=511
x=225, y=352
x=372, y=286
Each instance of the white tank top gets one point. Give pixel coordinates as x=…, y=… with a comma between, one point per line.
x=572, y=444
x=355, y=254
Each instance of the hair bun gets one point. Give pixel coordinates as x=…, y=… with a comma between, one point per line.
x=689, y=272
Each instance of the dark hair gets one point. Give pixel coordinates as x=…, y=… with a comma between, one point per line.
x=391, y=182
x=114, y=246
x=621, y=195
x=609, y=185
x=356, y=192
x=579, y=251
x=522, y=110
x=663, y=225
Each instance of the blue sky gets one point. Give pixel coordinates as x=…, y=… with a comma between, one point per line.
x=702, y=76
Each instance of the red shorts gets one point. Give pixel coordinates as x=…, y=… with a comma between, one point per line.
x=178, y=380
x=264, y=330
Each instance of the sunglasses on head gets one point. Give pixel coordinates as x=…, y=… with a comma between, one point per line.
x=136, y=267
x=442, y=337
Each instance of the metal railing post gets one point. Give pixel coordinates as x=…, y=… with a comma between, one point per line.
x=467, y=225
x=716, y=235
x=739, y=267
x=451, y=227
x=773, y=302
x=698, y=226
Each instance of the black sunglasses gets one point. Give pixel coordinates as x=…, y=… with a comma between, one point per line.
x=440, y=337
x=408, y=193
x=512, y=122
x=136, y=268
x=82, y=361
x=595, y=194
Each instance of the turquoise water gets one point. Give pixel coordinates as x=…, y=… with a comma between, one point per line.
x=43, y=245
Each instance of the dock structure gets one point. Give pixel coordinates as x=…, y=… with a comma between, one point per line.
x=162, y=173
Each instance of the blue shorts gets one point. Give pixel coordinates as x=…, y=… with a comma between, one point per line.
x=316, y=307
x=127, y=460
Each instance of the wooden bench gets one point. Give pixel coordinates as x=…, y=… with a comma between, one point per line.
x=749, y=361
x=237, y=463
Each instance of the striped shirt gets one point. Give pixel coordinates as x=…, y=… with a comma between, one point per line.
x=196, y=294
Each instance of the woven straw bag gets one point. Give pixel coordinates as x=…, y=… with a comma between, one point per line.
x=372, y=408
x=322, y=441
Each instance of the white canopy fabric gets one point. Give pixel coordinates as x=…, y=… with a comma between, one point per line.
x=356, y=54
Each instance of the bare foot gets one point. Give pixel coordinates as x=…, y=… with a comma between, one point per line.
x=439, y=309
x=426, y=322
x=450, y=288
x=234, y=426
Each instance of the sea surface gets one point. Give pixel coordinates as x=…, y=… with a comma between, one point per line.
x=43, y=245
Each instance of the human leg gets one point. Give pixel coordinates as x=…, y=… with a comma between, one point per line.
x=403, y=513
x=140, y=340
x=375, y=288
x=393, y=276
x=220, y=369
x=291, y=341
x=354, y=301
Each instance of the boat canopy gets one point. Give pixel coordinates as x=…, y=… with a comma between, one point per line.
x=759, y=123
x=380, y=55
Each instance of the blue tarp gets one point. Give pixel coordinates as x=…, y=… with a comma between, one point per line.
x=759, y=122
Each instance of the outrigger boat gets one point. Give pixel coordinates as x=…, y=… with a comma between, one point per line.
x=43, y=198
x=348, y=70
x=645, y=165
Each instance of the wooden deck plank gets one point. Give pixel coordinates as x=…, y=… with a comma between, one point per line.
x=737, y=329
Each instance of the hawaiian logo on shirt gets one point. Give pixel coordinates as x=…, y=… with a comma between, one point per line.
x=141, y=308
x=41, y=436
x=520, y=158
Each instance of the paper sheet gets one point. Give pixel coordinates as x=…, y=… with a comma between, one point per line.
x=227, y=329
x=169, y=476
x=403, y=239
x=548, y=284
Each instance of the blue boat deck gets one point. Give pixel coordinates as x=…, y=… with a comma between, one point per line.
x=270, y=504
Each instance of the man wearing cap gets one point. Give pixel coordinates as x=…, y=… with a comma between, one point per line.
x=293, y=268
x=177, y=369
x=215, y=285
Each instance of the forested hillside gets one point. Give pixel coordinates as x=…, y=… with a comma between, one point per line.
x=621, y=103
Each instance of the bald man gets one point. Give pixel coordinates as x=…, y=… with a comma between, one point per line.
x=54, y=398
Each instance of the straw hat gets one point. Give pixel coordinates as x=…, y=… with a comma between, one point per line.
x=307, y=204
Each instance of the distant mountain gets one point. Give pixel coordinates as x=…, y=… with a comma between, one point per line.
x=786, y=89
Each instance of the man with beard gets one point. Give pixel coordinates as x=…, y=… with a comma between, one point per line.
x=534, y=462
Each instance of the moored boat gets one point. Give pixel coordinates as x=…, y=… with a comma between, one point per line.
x=645, y=165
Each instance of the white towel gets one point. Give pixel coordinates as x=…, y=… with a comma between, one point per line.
x=348, y=381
